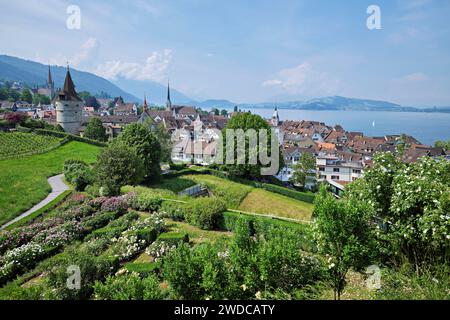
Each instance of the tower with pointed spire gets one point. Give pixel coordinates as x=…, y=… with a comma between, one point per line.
x=168, y=102
x=69, y=106
x=50, y=84
x=275, y=121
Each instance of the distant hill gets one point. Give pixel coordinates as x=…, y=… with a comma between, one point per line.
x=207, y=104
x=337, y=103
x=156, y=93
x=34, y=73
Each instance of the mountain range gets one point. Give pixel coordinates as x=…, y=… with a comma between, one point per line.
x=34, y=73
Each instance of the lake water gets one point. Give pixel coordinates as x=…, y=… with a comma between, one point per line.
x=426, y=127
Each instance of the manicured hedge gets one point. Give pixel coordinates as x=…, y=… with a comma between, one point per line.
x=262, y=225
x=143, y=268
x=301, y=196
x=173, y=238
x=71, y=137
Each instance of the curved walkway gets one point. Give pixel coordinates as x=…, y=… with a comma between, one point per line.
x=58, y=187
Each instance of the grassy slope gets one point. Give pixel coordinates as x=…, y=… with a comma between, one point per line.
x=23, y=182
x=262, y=201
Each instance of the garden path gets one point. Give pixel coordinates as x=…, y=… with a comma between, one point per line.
x=58, y=187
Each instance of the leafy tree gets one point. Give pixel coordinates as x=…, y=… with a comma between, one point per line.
x=14, y=95
x=215, y=111
x=95, y=130
x=27, y=96
x=42, y=99
x=246, y=121
x=84, y=95
x=224, y=113
x=343, y=234
x=304, y=170
x=442, y=144
x=118, y=165
x=15, y=118
x=148, y=148
x=413, y=202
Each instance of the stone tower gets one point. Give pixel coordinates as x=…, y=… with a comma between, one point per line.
x=69, y=107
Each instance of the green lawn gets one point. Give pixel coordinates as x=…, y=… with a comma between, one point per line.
x=197, y=235
x=231, y=192
x=23, y=181
x=265, y=202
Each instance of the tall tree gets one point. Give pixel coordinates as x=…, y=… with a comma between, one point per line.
x=344, y=235
x=95, y=130
x=27, y=96
x=118, y=165
x=304, y=170
x=140, y=137
x=245, y=122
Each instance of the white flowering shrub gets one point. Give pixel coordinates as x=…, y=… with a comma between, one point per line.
x=19, y=259
x=159, y=249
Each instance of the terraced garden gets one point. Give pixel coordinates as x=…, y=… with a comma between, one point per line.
x=17, y=143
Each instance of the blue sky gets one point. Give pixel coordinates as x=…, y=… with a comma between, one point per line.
x=247, y=50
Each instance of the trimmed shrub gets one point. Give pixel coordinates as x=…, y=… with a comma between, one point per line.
x=128, y=287
x=174, y=210
x=173, y=238
x=205, y=213
x=148, y=202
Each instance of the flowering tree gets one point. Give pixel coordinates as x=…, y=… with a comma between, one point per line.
x=414, y=203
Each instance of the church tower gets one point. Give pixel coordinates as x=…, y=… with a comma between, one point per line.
x=168, y=102
x=50, y=84
x=69, y=107
x=275, y=121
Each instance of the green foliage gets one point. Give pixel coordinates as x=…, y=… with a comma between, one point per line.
x=174, y=210
x=147, y=148
x=17, y=144
x=442, y=144
x=147, y=202
x=92, y=269
x=173, y=238
x=343, y=234
x=304, y=170
x=231, y=192
x=143, y=268
x=33, y=172
x=78, y=173
x=128, y=287
x=118, y=165
x=26, y=96
x=413, y=202
x=95, y=130
x=205, y=213
x=405, y=284
x=246, y=121
x=249, y=266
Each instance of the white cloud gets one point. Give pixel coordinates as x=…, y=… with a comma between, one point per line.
x=304, y=79
x=154, y=68
x=83, y=56
x=412, y=78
